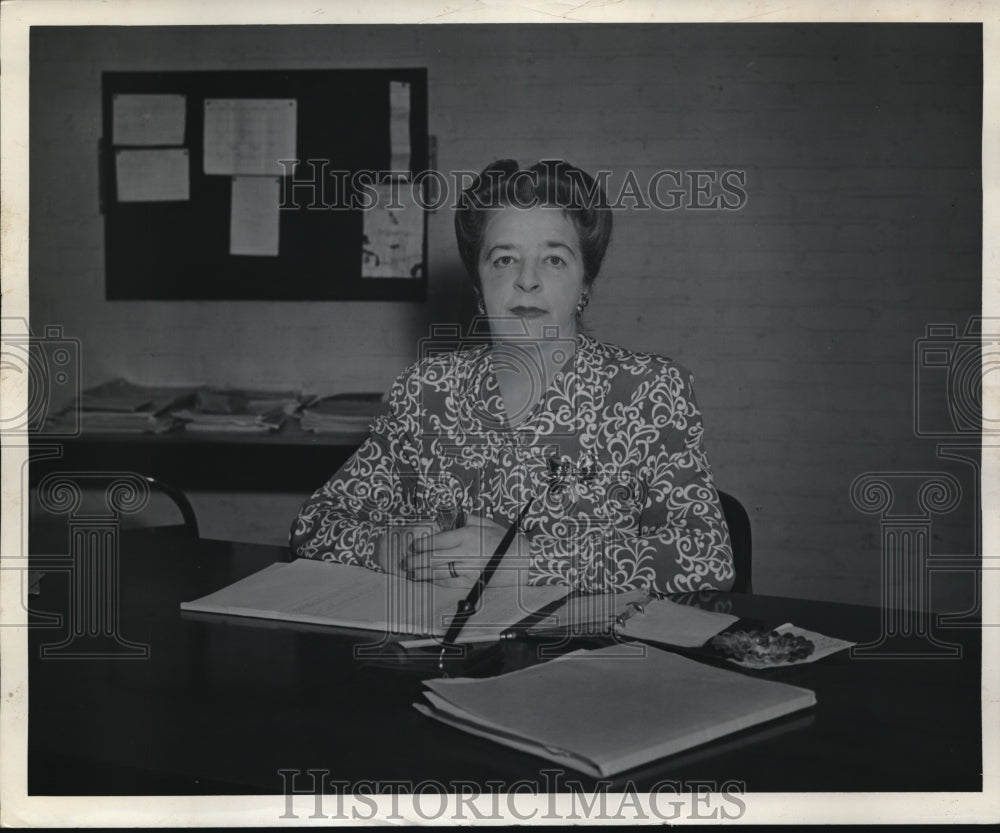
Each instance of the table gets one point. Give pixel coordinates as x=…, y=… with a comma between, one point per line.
x=221, y=704
x=290, y=459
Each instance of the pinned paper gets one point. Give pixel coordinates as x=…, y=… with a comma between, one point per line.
x=393, y=235
x=254, y=216
x=399, y=125
x=249, y=136
x=152, y=175
x=147, y=120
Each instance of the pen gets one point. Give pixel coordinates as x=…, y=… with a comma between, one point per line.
x=431, y=641
x=553, y=633
x=470, y=603
x=559, y=472
x=526, y=627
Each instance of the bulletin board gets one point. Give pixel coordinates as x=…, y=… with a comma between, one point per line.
x=189, y=183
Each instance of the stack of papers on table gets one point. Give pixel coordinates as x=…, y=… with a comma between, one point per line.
x=120, y=405
x=608, y=710
x=238, y=411
x=349, y=414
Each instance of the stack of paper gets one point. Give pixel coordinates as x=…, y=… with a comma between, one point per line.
x=120, y=405
x=349, y=414
x=611, y=709
x=237, y=411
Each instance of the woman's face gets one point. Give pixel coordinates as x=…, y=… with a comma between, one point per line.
x=531, y=268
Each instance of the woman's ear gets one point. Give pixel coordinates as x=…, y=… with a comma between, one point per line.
x=480, y=305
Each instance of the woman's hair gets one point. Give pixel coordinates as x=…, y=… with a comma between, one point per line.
x=550, y=183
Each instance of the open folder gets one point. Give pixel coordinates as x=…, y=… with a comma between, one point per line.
x=324, y=593
x=608, y=710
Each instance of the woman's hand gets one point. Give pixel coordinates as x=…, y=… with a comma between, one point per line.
x=456, y=558
x=396, y=544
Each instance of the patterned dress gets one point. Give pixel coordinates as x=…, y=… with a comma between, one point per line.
x=638, y=508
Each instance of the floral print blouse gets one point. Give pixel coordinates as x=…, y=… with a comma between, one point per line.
x=638, y=508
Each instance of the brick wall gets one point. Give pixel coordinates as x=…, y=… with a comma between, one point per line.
x=797, y=313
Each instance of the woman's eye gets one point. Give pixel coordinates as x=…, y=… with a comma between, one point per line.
x=555, y=260
x=503, y=260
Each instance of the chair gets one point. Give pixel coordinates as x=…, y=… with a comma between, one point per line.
x=740, y=537
x=62, y=498
x=181, y=501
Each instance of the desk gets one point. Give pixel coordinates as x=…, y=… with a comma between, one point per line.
x=286, y=460
x=222, y=703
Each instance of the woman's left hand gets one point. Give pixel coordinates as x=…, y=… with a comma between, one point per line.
x=457, y=557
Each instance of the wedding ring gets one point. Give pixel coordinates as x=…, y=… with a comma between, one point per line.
x=452, y=570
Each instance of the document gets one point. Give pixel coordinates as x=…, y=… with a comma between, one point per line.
x=152, y=175
x=399, y=125
x=321, y=593
x=605, y=711
x=255, y=214
x=393, y=235
x=675, y=624
x=147, y=119
x=250, y=136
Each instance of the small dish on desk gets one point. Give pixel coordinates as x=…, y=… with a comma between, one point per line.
x=762, y=648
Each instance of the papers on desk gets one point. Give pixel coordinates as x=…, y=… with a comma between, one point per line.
x=127, y=423
x=237, y=411
x=631, y=615
x=675, y=624
x=608, y=710
x=322, y=593
x=121, y=406
x=120, y=395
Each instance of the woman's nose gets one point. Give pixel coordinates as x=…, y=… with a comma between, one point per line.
x=527, y=278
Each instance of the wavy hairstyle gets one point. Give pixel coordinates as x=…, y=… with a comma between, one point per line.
x=550, y=183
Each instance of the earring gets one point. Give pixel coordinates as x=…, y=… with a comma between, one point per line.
x=480, y=305
x=584, y=300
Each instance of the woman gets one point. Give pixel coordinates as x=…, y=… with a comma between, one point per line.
x=602, y=445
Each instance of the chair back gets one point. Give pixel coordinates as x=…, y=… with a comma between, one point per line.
x=121, y=499
x=741, y=539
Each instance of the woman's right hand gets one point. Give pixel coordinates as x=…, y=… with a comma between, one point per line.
x=396, y=544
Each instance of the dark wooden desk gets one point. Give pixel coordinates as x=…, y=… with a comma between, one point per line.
x=286, y=460
x=222, y=704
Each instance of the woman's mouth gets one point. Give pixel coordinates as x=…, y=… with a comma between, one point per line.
x=528, y=312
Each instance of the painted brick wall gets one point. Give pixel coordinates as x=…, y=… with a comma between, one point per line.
x=798, y=313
